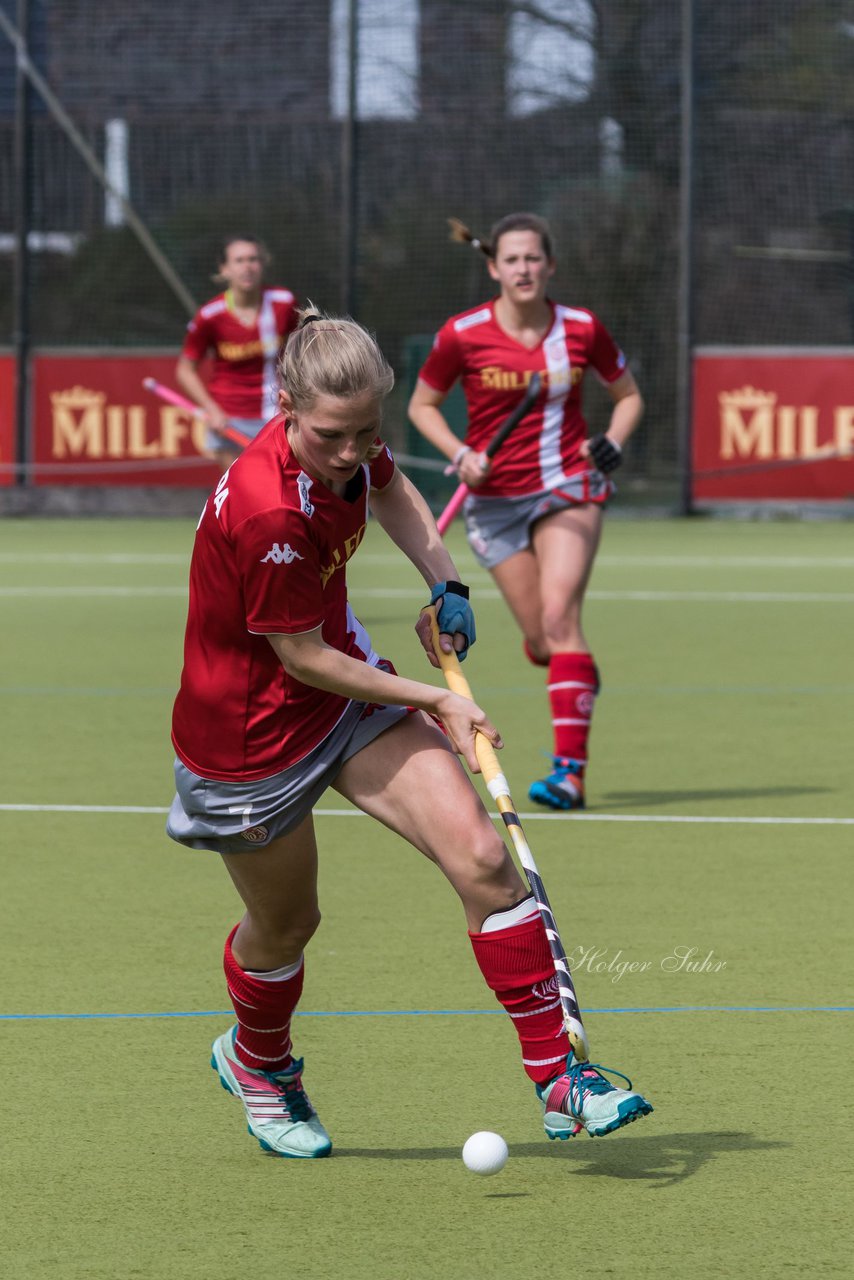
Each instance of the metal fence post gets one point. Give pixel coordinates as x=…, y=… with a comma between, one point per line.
x=350, y=168
x=23, y=215
x=685, y=298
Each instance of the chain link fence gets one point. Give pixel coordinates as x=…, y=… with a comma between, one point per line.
x=346, y=132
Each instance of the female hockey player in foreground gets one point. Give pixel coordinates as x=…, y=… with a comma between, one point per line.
x=282, y=696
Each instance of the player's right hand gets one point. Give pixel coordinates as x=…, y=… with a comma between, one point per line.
x=218, y=419
x=474, y=468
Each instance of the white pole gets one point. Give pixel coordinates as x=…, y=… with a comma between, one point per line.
x=611, y=137
x=116, y=136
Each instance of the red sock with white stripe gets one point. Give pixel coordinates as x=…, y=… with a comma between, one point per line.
x=264, y=1003
x=515, y=960
x=573, y=685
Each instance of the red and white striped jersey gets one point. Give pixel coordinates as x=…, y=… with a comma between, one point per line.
x=269, y=558
x=495, y=370
x=243, y=381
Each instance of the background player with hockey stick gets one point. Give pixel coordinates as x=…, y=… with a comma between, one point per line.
x=245, y=328
x=534, y=518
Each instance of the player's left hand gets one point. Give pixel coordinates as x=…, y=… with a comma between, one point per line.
x=462, y=721
x=454, y=617
x=605, y=454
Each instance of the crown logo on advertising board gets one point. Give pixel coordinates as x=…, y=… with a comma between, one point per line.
x=747, y=398
x=78, y=398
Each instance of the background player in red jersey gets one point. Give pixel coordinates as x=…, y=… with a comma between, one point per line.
x=283, y=696
x=245, y=328
x=535, y=516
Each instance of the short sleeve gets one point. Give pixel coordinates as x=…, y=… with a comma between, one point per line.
x=197, y=339
x=279, y=568
x=605, y=356
x=444, y=365
x=382, y=468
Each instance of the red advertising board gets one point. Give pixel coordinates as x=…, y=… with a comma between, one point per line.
x=773, y=423
x=7, y=418
x=94, y=423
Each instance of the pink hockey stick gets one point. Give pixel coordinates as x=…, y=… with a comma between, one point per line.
x=181, y=402
x=510, y=422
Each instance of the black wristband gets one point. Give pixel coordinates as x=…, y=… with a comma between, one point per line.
x=458, y=589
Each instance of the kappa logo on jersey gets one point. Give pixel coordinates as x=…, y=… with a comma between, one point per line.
x=281, y=555
x=304, y=483
x=548, y=988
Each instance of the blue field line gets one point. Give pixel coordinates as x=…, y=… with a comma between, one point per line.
x=430, y=1013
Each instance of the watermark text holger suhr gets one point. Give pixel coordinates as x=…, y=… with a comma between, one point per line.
x=616, y=964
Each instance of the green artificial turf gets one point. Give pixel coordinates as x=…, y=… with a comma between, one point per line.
x=725, y=651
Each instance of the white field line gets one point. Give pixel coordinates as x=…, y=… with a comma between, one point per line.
x=506, y=691
x=488, y=593
x=371, y=557
x=728, y=562
x=50, y=593
x=738, y=597
x=93, y=557
x=525, y=817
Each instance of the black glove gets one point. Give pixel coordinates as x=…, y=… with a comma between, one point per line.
x=606, y=454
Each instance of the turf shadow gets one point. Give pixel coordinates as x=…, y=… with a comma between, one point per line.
x=631, y=799
x=663, y=1160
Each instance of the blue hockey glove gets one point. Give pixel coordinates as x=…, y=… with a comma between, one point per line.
x=453, y=612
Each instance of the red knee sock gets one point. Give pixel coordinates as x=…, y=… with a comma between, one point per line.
x=264, y=1006
x=573, y=685
x=517, y=966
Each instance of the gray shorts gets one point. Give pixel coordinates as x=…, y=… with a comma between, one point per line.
x=499, y=527
x=231, y=817
x=248, y=426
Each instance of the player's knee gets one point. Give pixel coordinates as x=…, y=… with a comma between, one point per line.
x=306, y=927
x=290, y=935
x=559, y=625
x=489, y=857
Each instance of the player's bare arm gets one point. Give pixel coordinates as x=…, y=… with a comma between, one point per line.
x=188, y=378
x=408, y=521
x=425, y=414
x=626, y=413
x=307, y=658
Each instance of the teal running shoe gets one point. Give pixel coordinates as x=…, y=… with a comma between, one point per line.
x=562, y=789
x=279, y=1113
x=581, y=1098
